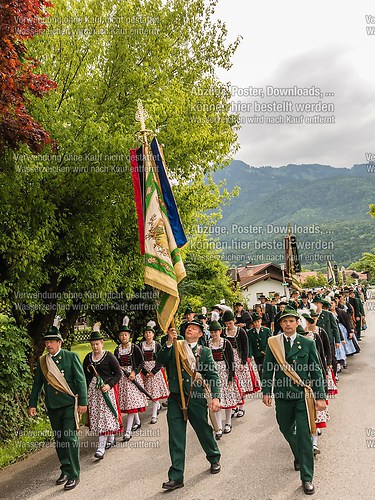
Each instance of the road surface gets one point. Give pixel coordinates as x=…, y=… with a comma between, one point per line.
x=256, y=461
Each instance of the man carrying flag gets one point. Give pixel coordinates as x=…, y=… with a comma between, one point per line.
x=161, y=235
x=198, y=369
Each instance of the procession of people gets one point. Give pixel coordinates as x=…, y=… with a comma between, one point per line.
x=290, y=350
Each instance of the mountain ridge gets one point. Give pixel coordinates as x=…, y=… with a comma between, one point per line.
x=334, y=199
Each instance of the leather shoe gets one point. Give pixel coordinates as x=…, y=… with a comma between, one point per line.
x=308, y=487
x=172, y=485
x=62, y=479
x=316, y=451
x=215, y=468
x=296, y=465
x=71, y=483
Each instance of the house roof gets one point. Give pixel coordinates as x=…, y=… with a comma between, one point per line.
x=247, y=275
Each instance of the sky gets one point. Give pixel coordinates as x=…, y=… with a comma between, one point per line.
x=324, y=46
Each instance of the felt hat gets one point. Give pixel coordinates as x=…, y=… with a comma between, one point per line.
x=150, y=327
x=125, y=325
x=228, y=316
x=53, y=334
x=214, y=326
x=318, y=298
x=308, y=318
x=96, y=336
x=289, y=311
x=195, y=322
x=255, y=316
x=300, y=330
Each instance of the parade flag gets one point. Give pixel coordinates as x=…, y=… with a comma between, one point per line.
x=343, y=275
x=293, y=265
x=170, y=202
x=330, y=274
x=295, y=256
x=336, y=273
x=163, y=233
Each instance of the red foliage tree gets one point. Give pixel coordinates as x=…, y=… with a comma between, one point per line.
x=21, y=20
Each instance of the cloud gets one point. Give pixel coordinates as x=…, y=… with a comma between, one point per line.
x=342, y=143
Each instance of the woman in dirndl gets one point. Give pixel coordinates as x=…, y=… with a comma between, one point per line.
x=322, y=416
x=132, y=400
x=102, y=372
x=246, y=376
x=152, y=373
x=231, y=396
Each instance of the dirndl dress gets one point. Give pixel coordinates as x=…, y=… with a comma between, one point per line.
x=247, y=379
x=132, y=400
x=331, y=383
x=349, y=346
x=322, y=417
x=230, y=392
x=101, y=419
x=156, y=386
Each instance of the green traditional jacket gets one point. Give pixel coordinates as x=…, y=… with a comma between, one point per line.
x=70, y=366
x=207, y=368
x=258, y=341
x=303, y=357
x=328, y=322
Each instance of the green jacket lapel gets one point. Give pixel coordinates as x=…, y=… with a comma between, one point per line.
x=295, y=347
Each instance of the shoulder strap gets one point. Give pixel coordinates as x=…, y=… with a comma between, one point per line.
x=197, y=358
x=43, y=365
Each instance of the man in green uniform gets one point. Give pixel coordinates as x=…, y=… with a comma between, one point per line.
x=61, y=374
x=258, y=336
x=195, y=400
x=290, y=400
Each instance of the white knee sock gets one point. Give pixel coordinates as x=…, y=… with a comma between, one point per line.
x=111, y=438
x=155, y=407
x=315, y=440
x=101, y=443
x=240, y=407
x=228, y=417
x=137, y=420
x=219, y=419
x=129, y=422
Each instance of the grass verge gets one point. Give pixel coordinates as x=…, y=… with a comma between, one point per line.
x=38, y=435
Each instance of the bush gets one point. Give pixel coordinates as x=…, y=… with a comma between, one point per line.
x=15, y=379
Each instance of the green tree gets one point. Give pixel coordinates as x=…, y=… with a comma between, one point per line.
x=366, y=263
x=68, y=233
x=315, y=281
x=207, y=280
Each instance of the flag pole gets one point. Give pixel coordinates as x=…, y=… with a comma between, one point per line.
x=141, y=116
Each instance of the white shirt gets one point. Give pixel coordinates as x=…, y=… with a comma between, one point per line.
x=292, y=338
x=53, y=355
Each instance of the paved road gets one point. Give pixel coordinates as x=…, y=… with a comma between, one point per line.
x=256, y=462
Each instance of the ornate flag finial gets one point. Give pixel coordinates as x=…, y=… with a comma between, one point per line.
x=141, y=116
